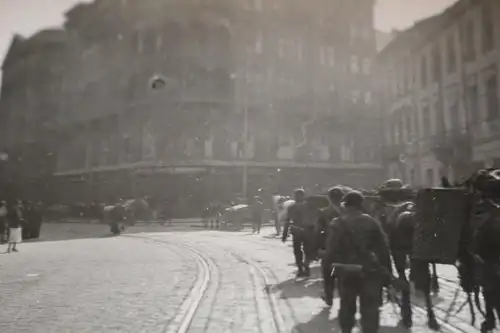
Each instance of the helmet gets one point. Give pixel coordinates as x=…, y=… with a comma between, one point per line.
x=353, y=199
x=299, y=194
x=335, y=194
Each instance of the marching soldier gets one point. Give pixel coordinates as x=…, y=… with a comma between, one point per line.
x=357, y=248
x=327, y=215
x=257, y=208
x=302, y=232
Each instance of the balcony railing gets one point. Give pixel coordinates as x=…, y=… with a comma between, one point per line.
x=392, y=153
x=452, y=147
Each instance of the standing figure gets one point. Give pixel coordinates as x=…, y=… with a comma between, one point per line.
x=357, y=247
x=14, y=220
x=3, y=222
x=257, y=208
x=303, y=232
x=327, y=215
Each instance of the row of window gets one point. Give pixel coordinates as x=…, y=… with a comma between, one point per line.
x=461, y=41
x=405, y=127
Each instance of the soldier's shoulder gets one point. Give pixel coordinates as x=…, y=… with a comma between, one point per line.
x=334, y=223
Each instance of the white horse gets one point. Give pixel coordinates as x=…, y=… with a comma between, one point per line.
x=281, y=205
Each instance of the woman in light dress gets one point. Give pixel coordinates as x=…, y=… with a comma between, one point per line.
x=14, y=220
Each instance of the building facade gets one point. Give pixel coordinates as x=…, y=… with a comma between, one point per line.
x=33, y=70
x=258, y=95
x=440, y=94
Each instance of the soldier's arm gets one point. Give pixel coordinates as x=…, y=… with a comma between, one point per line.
x=382, y=245
x=286, y=225
x=333, y=235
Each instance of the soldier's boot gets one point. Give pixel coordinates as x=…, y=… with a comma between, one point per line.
x=328, y=300
x=307, y=270
x=300, y=270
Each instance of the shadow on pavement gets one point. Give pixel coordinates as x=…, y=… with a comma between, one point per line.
x=299, y=288
x=323, y=323
x=320, y=323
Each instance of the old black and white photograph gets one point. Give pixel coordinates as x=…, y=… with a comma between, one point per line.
x=249, y=166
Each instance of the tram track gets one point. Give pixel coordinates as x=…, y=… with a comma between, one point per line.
x=181, y=322
x=265, y=302
x=460, y=325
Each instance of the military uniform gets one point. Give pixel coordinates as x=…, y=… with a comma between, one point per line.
x=303, y=233
x=257, y=212
x=326, y=217
x=358, y=246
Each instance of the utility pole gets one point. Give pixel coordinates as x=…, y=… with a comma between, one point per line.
x=245, y=132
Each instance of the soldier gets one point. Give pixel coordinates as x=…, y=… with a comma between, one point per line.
x=335, y=195
x=302, y=232
x=357, y=247
x=257, y=208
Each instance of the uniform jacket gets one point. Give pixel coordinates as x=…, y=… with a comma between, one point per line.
x=368, y=233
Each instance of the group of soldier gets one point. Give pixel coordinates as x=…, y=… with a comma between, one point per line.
x=354, y=251
x=19, y=220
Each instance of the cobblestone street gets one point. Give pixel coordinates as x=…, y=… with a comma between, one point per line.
x=173, y=281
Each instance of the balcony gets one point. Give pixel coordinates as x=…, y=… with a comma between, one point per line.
x=452, y=147
x=392, y=153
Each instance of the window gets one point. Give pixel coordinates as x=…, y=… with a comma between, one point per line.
x=423, y=71
x=409, y=127
x=438, y=111
x=472, y=104
x=492, y=98
x=258, y=44
x=300, y=50
x=331, y=56
x=353, y=31
x=355, y=96
x=468, y=42
x=429, y=175
x=451, y=55
x=454, y=115
x=368, y=98
x=436, y=63
x=426, y=122
x=281, y=48
x=159, y=42
x=488, y=29
x=367, y=66
x=258, y=5
x=354, y=64
x=322, y=55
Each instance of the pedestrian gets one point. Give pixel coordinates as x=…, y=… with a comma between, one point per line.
x=357, y=247
x=257, y=208
x=303, y=232
x=326, y=217
x=14, y=220
x=3, y=222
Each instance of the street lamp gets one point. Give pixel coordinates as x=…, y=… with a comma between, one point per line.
x=245, y=130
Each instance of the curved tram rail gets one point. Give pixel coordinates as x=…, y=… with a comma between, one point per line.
x=459, y=325
x=199, y=292
x=182, y=320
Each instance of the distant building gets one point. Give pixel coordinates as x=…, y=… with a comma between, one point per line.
x=302, y=73
x=441, y=94
x=31, y=88
x=384, y=38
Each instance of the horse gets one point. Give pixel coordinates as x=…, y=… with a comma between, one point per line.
x=479, y=248
x=280, y=206
x=394, y=209
x=128, y=210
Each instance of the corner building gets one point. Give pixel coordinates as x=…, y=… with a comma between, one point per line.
x=281, y=89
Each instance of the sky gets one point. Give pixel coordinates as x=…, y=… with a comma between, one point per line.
x=28, y=16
